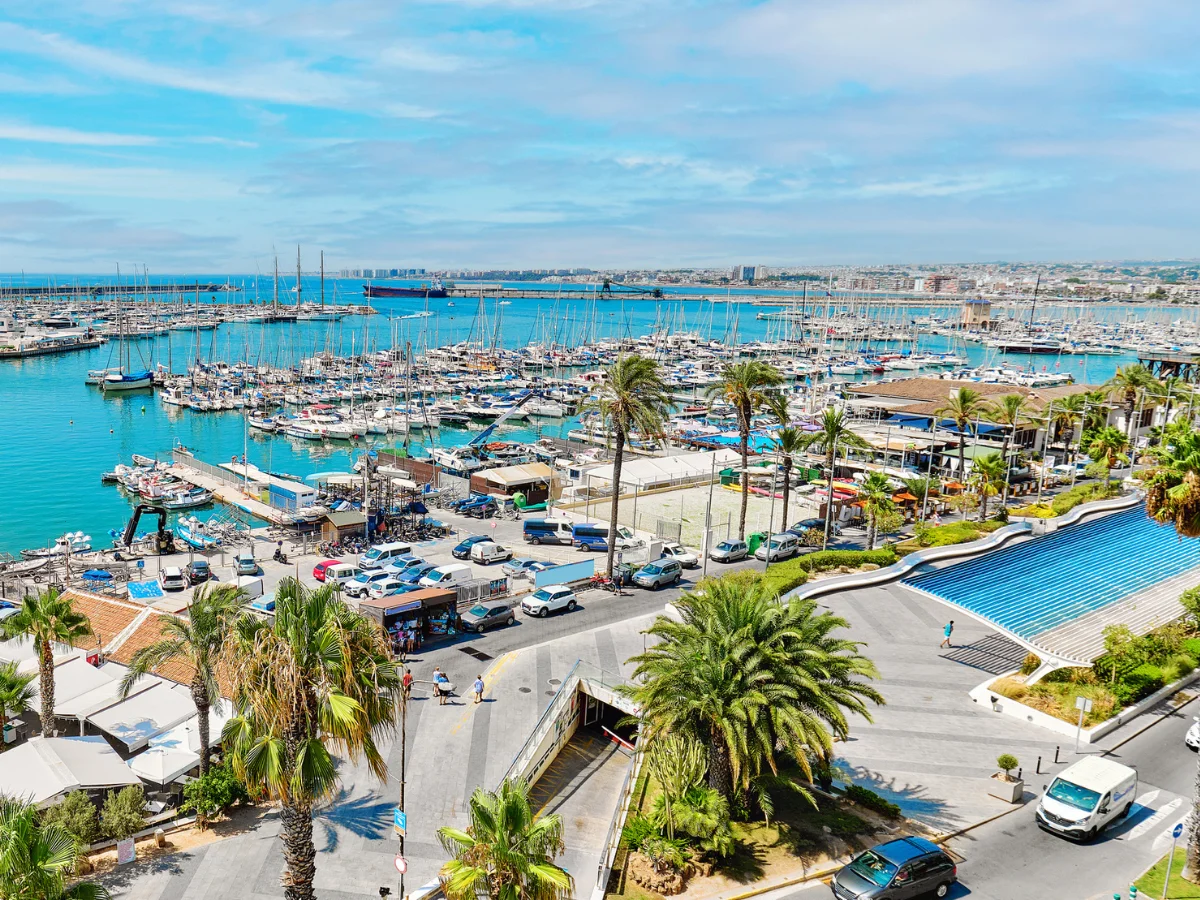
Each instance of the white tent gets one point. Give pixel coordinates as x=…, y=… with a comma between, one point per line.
x=43, y=770
x=135, y=721
x=159, y=765
x=660, y=470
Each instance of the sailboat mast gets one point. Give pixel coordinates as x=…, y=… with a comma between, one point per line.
x=297, y=274
x=322, y=279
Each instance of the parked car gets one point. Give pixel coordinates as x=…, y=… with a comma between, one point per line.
x=488, y=552
x=519, y=566
x=689, y=559
x=402, y=564
x=198, y=571
x=414, y=574
x=549, y=599
x=463, y=550
x=1086, y=797
x=319, y=568
x=172, y=579
x=446, y=576
x=341, y=573
x=658, y=573
x=781, y=546
x=386, y=587
x=816, y=522
x=245, y=563
x=382, y=554
x=905, y=867
x=485, y=615
x=729, y=551
x=1191, y=739
x=361, y=583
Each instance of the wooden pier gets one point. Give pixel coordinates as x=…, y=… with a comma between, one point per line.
x=1180, y=365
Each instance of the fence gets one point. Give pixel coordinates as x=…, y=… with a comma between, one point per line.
x=666, y=529
x=183, y=458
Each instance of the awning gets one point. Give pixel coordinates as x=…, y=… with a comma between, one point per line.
x=161, y=766
x=43, y=769
x=402, y=608
x=904, y=497
x=135, y=721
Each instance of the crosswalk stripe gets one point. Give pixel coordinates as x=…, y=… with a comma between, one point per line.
x=1151, y=823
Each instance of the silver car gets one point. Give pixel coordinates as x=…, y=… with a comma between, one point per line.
x=729, y=551
x=658, y=573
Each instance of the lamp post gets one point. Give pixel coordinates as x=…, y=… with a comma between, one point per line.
x=771, y=516
x=828, y=495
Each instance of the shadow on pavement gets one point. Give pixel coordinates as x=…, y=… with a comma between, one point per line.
x=368, y=816
x=992, y=653
x=913, y=799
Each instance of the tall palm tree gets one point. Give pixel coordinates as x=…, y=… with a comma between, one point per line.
x=1009, y=412
x=1109, y=446
x=36, y=859
x=317, y=679
x=1131, y=384
x=788, y=441
x=195, y=641
x=16, y=695
x=748, y=676
x=744, y=386
x=964, y=406
x=48, y=618
x=1069, y=412
x=506, y=853
x=987, y=471
x=632, y=397
x=1173, y=482
x=834, y=434
x=876, y=494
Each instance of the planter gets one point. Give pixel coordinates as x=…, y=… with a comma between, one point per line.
x=1009, y=791
x=10, y=734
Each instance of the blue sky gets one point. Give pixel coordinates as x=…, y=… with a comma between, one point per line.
x=201, y=136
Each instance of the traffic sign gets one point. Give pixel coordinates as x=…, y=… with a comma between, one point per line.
x=400, y=820
x=401, y=864
x=1177, y=832
x=141, y=564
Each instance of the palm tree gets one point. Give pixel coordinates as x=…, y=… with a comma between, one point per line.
x=506, y=853
x=36, y=859
x=632, y=397
x=834, y=433
x=922, y=487
x=743, y=385
x=1131, y=384
x=876, y=494
x=1173, y=482
x=317, y=679
x=16, y=695
x=48, y=618
x=964, y=406
x=789, y=441
x=1009, y=412
x=1108, y=446
x=195, y=641
x=748, y=676
x=987, y=471
x=1068, y=413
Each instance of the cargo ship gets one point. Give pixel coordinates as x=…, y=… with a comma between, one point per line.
x=434, y=291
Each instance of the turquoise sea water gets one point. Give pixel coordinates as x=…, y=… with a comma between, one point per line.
x=60, y=434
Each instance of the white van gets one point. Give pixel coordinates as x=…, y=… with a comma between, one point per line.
x=340, y=573
x=447, y=576
x=1087, y=797
x=382, y=554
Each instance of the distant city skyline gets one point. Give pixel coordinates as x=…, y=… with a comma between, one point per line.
x=573, y=133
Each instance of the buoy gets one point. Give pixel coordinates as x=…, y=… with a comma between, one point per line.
x=110, y=431
x=72, y=422
x=143, y=409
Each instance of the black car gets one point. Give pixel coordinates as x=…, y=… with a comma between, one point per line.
x=816, y=522
x=485, y=615
x=198, y=571
x=899, y=869
x=463, y=550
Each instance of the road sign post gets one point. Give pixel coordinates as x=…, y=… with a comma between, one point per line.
x=1176, y=833
x=1084, y=705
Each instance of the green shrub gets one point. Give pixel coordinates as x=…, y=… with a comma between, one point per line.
x=839, y=822
x=1191, y=646
x=1007, y=762
x=638, y=829
x=76, y=815
x=783, y=577
x=1177, y=667
x=214, y=793
x=1141, y=682
x=1030, y=663
x=122, y=815
x=871, y=800
x=945, y=535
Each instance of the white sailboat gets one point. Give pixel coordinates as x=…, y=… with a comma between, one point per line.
x=122, y=379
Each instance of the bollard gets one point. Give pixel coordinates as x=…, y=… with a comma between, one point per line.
x=1056, y=756
x=1019, y=774
x=1038, y=770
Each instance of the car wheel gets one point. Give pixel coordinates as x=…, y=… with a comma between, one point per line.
x=510, y=620
x=570, y=605
x=1125, y=811
x=942, y=890
x=534, y=540
x=655, y=586
x=677, y=577
x=545, y=611
x=1091, y=835
x=479, y=628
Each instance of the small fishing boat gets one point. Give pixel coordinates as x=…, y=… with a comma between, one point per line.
x=193, y=532
x=70, y=543
x=187, y=499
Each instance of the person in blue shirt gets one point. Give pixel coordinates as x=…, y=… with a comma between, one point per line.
x=947, y=631
x=478, y=688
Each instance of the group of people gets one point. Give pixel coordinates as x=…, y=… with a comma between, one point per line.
x=405, y=640
x=442, y=686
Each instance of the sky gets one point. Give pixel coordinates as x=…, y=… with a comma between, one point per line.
x=187, y=136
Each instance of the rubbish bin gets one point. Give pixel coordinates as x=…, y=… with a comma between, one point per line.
x=754, y=540
x=728, y=476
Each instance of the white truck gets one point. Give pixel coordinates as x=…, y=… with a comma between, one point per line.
x=1087, y=797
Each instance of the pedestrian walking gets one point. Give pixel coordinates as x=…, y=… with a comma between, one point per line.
x=947, y=631
x=407, y=683
x=478, y=688
x=441, y=684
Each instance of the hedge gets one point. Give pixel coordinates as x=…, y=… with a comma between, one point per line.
x=946, y=535
x=785, y=576
x=871, y=800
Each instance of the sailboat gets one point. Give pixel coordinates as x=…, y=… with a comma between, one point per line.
x=122, y=379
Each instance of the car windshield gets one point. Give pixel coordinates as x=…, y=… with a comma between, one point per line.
x=725, y=545
x=1073, y=795
x=373, y=553
x=652, y=569
x=874, y=868
x=543, y=594
x=478, y=610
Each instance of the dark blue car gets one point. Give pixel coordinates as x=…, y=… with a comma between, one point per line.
x=416, y=573
x=463, y=550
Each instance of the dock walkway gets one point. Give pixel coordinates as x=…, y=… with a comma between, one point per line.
x=231, y=494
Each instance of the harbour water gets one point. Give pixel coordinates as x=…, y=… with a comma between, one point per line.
x=61, y=434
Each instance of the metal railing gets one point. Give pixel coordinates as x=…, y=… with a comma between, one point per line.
x=186, y=459
x=612, y=841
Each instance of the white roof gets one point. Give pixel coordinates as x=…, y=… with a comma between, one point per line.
x=659, y=469
x=160, y=766
x=525, y=473
x=80, y=688
x=44, y=769
x=136, y=720
x=22, y=651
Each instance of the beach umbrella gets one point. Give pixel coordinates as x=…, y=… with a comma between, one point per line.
x=97, y=575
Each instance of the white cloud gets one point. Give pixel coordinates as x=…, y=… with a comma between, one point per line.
x=46, y=134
